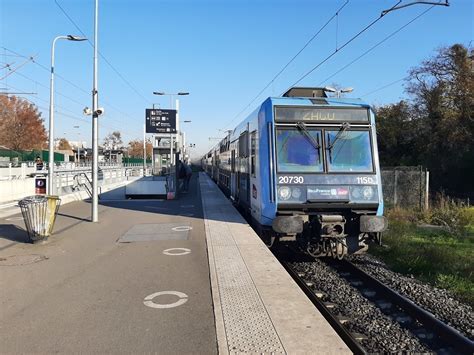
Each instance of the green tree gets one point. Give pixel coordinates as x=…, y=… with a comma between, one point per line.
x=442, y=90
x=395, y=134
x=435, y=128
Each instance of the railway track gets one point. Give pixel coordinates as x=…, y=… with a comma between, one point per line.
x=336, y=322
x=419, y=329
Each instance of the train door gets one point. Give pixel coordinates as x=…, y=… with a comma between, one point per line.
x=215, y=169
x=254, y=177
x=233, y=176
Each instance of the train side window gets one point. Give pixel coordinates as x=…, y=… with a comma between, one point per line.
x=232, y=162
x=253, y=149
x=244, y=145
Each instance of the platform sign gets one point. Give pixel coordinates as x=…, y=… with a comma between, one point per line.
x=160, y=121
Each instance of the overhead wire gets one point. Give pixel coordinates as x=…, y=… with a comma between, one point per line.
x=350, y=40
x=58, y=93
x=71, y=83
x=290, y=61
x=13, y=70
x=101, y=55
x=385, y=86
x=83, y=120
x=377, y=44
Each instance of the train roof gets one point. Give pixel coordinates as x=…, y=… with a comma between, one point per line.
x=327, y=101
x=297, y=96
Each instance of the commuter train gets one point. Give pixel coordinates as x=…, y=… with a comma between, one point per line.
x=304, y=168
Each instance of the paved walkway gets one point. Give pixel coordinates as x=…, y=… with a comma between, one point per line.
x=153, y=277
x=94, y=287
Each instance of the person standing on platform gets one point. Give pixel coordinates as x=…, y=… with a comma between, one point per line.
x=189, y=174
x=181, y=174
x=39, y=163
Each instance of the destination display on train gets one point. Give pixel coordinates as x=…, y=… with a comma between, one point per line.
x=160, y=121
x=339, y=114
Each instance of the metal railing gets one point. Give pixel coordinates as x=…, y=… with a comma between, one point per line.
x=82, y=180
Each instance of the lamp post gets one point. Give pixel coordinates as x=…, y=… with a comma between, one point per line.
x=171, y=95
x=51, y=111
x=96, y=111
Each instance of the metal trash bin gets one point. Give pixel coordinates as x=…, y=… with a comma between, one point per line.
x=39, y=213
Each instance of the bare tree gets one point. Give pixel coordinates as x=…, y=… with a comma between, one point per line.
x=113, y=141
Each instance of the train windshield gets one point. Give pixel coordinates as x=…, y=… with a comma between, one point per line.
x=348, y=152
x=298, y=152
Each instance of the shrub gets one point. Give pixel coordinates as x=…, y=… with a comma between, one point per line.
x=451, y=214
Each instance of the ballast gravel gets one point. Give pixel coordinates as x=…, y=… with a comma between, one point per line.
x=437, y=301
x=382, y=334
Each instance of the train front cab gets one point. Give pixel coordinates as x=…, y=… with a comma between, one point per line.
x=322, y=167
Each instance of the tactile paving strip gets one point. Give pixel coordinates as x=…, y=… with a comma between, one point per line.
x=247, y=324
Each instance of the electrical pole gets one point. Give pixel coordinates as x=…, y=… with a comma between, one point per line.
x=95, y=125
x=144, y=149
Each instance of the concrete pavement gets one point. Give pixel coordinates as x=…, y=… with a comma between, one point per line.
x=85, y=291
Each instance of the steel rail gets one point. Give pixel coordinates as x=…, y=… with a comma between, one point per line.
x=445, y=332
x=340, y=329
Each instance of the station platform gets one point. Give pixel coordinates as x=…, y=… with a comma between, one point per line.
x=181, y=276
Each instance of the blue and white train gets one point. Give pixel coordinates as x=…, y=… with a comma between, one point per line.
x=305, y=168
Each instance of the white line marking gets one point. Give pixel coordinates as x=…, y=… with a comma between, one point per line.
x=9, y=205
x=14, y=219
x=182, y=228
x=183, y=298
x=177, y=251
x=187, y=206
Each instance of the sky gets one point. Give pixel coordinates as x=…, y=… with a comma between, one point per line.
x=223, y=52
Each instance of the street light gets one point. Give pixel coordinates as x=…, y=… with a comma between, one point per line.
x=161, y=93
x=51, y=110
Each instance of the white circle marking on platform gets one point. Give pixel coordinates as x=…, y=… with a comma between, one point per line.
x=182, y=228
x=177, y=251
x=183, y=298
x=14, y=219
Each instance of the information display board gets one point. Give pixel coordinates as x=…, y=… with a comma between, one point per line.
x=160, y=121
x=335, y=114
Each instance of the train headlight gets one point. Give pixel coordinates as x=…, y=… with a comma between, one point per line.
x=356, y=193
x=363, y=193
x=296, y=193
x=368, y=192
x=284, y=193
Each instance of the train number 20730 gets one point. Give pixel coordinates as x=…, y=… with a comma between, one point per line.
x=291, y=180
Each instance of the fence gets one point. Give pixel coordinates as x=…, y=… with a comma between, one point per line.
x=406, y=186
x=134, y=160
x=16, y=157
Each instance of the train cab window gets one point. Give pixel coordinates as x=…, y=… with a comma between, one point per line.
x=299, y=151
x=349, y=151
x=253, y=151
